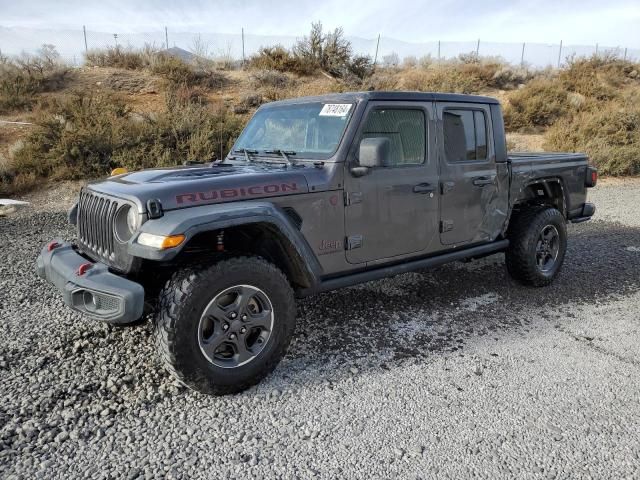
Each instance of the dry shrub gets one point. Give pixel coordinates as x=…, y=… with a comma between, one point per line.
x=584, y=84
x=540, y=104
x=116, y=57
x=86, y=135
x=23, y=78
x=270, y=78
x=185, y=94
x=319, y=86
x=508, y=77
x=282, y=60
x=330, y=52
x=437, y=79
x=385, y=80
x=609, y=135
x=247, y=103
x=179, y=72
x=599, y=77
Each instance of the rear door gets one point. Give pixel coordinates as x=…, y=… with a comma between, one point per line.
x=467, y=172
x=392, y=210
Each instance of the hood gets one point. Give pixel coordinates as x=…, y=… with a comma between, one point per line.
x=181, y=187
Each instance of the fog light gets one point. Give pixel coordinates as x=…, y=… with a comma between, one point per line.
x=90, y=301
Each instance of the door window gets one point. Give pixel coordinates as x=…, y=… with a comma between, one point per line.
x=465, y=135
x=406, y=131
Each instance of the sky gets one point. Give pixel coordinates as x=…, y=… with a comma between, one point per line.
x=586, y=22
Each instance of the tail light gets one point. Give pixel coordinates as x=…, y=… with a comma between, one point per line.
x=592, y=177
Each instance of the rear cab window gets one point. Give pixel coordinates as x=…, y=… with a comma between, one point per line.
x=465, y=135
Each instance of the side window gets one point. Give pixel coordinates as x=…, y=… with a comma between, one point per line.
x=406, y=131
x=465, y=135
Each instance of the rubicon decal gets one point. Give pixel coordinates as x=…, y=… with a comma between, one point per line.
x=241, y=192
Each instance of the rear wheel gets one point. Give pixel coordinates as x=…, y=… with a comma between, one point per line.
x=222, y=328
x=538, y=242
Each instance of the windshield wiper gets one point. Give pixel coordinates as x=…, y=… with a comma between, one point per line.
x=283, y=153
x=246, y=152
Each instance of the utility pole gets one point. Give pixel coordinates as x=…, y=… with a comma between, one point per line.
x=478, y=49
x=375, y=59
x=560, y=54
x=243, y=46
x=522, y=56
x=438, y=51
x=166, y=37
x=84, y=31
x=596, y=49
x=625, y=54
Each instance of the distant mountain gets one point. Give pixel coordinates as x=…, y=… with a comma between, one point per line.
x=71, y=45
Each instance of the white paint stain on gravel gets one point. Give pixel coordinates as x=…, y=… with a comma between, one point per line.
x=472, y=304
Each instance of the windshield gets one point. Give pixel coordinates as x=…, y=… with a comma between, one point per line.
x=308, y=130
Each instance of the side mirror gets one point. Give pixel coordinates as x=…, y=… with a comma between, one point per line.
x=374, y=152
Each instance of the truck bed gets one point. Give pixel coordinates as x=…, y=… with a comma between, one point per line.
x=545, y=157
x=569, y=169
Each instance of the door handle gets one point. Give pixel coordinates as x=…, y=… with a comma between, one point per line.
x=423, y=188
x=482, y=181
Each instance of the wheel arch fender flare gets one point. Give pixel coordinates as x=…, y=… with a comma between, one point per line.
x=551, y=187
x=195, y=220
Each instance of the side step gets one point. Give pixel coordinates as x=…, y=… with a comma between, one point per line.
x=389, y=271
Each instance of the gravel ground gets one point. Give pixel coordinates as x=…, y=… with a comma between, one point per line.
x=449, y=373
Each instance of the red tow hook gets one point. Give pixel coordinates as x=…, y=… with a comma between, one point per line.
x=52, y=246
x=82, y=269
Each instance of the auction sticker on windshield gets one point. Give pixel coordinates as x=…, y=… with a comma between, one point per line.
x=335, y=109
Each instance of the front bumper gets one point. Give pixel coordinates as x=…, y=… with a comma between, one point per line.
x=97, y=292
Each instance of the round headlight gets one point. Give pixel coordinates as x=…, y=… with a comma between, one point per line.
x=132, y=221
x=126, y=223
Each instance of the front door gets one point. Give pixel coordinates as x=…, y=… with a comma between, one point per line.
x=392, y=210
x=467, y=172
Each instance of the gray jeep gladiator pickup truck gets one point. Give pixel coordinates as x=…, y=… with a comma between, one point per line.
x=317, y=194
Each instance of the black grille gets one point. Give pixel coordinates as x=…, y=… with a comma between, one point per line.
x=96, y=215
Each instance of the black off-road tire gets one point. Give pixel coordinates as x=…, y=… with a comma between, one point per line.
x=523, y=234
x=181, y=304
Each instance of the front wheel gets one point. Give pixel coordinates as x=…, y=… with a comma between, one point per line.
x=221, y=329
x=538, y=242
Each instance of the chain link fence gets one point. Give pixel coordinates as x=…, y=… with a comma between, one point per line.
x=73, y=43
